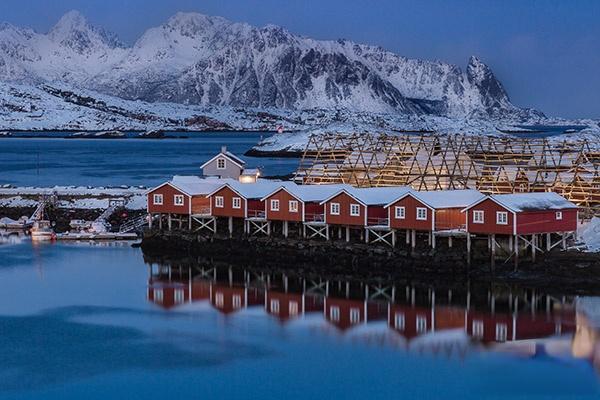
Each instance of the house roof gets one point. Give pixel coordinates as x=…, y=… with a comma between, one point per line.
x=251, y=171
x=378, y=195
x=521, y=202
x=256, y=190
x=448, y=198
x=315, y=193
x=232, y=157
x=193, y=185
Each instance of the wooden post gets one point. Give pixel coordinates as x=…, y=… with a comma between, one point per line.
x=215, y=225
x=149, y=220
x=516, y=252
x=533, y=237
x=510, y=243
x=340, y=232
x=230, y=226
x=414, y=238
x=564, y=241
x=169, y=221
x=493, y=242
x=285, y=229
x=429, y=238
x=366, y=235
x=347, y=234
x=393, y=238
x=269, y=228
x=327, y=232
x=432, y=240
x=469, y=246
x=407, y=236
x=190, y=222
x=303, y=230
x=450, y=241
x=160, y=221
x=548, y=241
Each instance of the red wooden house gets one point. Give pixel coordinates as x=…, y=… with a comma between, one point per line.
x=521, y=214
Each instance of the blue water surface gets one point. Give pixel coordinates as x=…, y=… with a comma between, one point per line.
x=75, y=322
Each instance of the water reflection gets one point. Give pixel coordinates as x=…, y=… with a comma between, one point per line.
x=511, y=320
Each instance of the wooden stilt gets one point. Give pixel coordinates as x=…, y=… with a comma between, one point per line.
x=189, y=222
x=347, y=234
x=533, y=244
x=366, y=236
x=450, y=241
x=393, y=238
x=230, y=226
x=407, y=236
x=516, y=252
x=169, y=220
x=414, y=239
x=160, y=221
x=432, y=240
x=149, y=220
x=548, y=241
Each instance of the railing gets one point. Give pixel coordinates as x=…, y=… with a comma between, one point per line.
x=134, y=224
x=314, y=217
x=205, y=210
x=448, y=227
x=377, y=221
x=256, y=214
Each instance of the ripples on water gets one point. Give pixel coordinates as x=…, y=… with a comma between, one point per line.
x=99, y=321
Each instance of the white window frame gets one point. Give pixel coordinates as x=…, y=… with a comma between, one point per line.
x=422, y=217
x=399, y=321
x=354, y=315
x=334, y=208
x=334, y=313
x=293, y=206
x=477, y=329
x=274, y=205
x=178, y=296
x=275, y=306
x=355, y=210
x=236, y=202
x=219, y=202
x=158, y=295
x=501, y=218
x=293, y=308
x=219, y=299
x=236, y=301
x=558, y=215
x=478, y=216
x=224, y=165
x=400, y=212
x=157, y=199
x=421, y=324
x=178, y=200
x=501, y=332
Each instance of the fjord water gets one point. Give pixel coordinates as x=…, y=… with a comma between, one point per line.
x=98, y=321
x=47, y=161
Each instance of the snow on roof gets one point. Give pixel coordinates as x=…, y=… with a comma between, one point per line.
x=313, y=193
x=194, y=185
x=229, y=155
x=533, y=201
x=378, y=195
x=235, y=158
x=448, y=198
x=258, y=189
x=251, y=171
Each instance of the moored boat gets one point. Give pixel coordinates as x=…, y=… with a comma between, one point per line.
x=42, y=230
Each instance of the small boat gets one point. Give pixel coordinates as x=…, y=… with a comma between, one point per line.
x=42, y=230
x=21, y=223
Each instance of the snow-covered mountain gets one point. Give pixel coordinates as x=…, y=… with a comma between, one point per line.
x=194, y=59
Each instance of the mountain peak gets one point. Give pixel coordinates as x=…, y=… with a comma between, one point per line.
x=73, y=20
x=74, y=31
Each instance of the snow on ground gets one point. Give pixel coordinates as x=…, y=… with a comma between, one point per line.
x=589, y=234
x=76, y=197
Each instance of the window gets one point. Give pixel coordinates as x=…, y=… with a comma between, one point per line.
x=293, y=206
x=400, y=212
x=293, y=308
x=354, y=210
x=219, y=201
x=158, y=295
x=421, y=214
x=501, y=218
x=219, y=300
x=237, y=301
x=157, y=199
x=478, y=329
x=178, y=200
x=221, y=163
x=275, y=306
x=501, y=331
x=478, y=217
x=334, y=313
x=421, y=324
x=558, y=215
x=399, y=321
x=274, y=205
x=334, y=208
x=236, y=202
x=179, y=296
x=354, y=315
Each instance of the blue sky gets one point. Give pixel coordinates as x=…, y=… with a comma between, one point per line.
x=546, y=52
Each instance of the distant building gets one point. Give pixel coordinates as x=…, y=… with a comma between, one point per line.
x=227, y=165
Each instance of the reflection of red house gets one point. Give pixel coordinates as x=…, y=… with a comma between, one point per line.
x=345, y=313
x=228, y=299
x=171, y=294
x=284, y=306
x=449, y=318
x=409, y=321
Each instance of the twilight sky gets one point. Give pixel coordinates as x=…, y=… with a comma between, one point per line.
x=545, y=52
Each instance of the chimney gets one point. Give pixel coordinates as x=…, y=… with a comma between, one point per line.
x=223, y=149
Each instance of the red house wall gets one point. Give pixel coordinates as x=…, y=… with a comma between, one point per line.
x=450, y=218
x=377, y=215
x=344, y=218
x=410, y=221
x=256, y=208
x=489, y=225
x=313, y=211
x=284, y=213
x=200, y=205
x=545, y=221
x=168, y=205
x=227, y=210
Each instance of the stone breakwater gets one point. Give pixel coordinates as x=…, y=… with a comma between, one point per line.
x=575, y=271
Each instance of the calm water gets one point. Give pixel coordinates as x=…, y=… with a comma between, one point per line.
x=104, y=162
x=85, y=321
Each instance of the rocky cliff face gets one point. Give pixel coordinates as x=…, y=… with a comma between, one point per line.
x=196, y=59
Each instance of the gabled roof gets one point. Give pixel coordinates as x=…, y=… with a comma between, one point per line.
x=194, y=185
x=310, y=193
x=256, y=190
x=348, y=191
x=439, y=199
x=379, y=195
x=522, y=202
x=232, y=157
